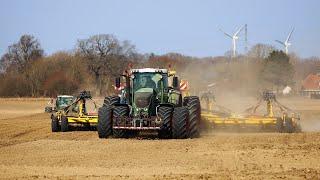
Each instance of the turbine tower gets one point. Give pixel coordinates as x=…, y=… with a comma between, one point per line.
x=246, y=38
x=286, y=43
x=234, y=38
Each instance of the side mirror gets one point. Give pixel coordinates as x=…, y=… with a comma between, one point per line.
x=118, y=82
x=175, y=82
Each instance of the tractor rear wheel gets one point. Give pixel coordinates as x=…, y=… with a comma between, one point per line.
x=54, y=124
x=179, y=122
x=193, y=105
x=288, y=125
x=120, y=112
x=104, y=126
x=111, y=100
x=165, y=113
x=64, y=124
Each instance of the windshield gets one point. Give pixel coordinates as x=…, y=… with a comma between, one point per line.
x=149, y=80
x=64, y=101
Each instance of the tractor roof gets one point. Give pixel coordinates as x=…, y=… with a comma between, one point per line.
x=150, y=70
x=65, y=96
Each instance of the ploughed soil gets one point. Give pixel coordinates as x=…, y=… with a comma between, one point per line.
x=29, y=150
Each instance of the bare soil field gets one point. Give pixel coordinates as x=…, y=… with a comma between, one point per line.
x=29, y=150
x=15, y=107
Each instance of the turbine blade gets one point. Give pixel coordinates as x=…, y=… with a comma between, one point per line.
x=280, y=42
x=239, y=30
x=289, y=36
x=226, y=33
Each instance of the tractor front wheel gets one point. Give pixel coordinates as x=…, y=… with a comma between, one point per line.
x=193, y=105
x=165, y=114
x=54, y=124
x=64, y=124
x=179, y=122
x=120, y=112
x=104, y=126
x=111, y=100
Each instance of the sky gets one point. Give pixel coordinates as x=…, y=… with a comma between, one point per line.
x=190, y=27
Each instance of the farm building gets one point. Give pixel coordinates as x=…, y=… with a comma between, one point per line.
x=311, y=86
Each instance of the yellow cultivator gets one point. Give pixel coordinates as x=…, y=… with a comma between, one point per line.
x=287, y=121
x=74, y=114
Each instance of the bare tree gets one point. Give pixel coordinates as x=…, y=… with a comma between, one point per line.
x=260, y=51
x=5, y=59
x=22, y=53
x=105, y=56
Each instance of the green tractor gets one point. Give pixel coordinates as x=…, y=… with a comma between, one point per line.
x=148, y=103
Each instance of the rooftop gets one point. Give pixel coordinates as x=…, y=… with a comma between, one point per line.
x=311, y=82
x=151, y=70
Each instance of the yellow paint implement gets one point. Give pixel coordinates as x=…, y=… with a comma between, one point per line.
x=282, y=123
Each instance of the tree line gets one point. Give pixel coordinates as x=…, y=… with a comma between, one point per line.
x=25, y=70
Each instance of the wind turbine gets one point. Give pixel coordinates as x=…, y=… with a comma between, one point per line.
x=234, y=38
x=286, y=43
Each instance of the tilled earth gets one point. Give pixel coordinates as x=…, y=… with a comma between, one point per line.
x=29, y=150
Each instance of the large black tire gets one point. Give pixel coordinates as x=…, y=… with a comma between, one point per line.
x=54, y=124
x=288, y=125
x=104, y=126
x=279, y=125
x=165, y=113
x=131, y=133
x=120, y=111
x=193, y=105
x=64, y=124
x=179, y=122
x=111, y=100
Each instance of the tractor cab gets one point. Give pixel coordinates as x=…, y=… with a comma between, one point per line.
x=61, y=102
x=152, y=80
x=64, y=101
x=147, y=88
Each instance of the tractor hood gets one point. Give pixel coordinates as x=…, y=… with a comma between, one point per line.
x=142, y=97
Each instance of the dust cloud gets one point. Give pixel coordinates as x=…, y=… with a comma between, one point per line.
x=310, y=121
x=236, y=86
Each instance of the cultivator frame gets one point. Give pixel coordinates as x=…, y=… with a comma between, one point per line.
x=283, y=123
x=74, y=114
